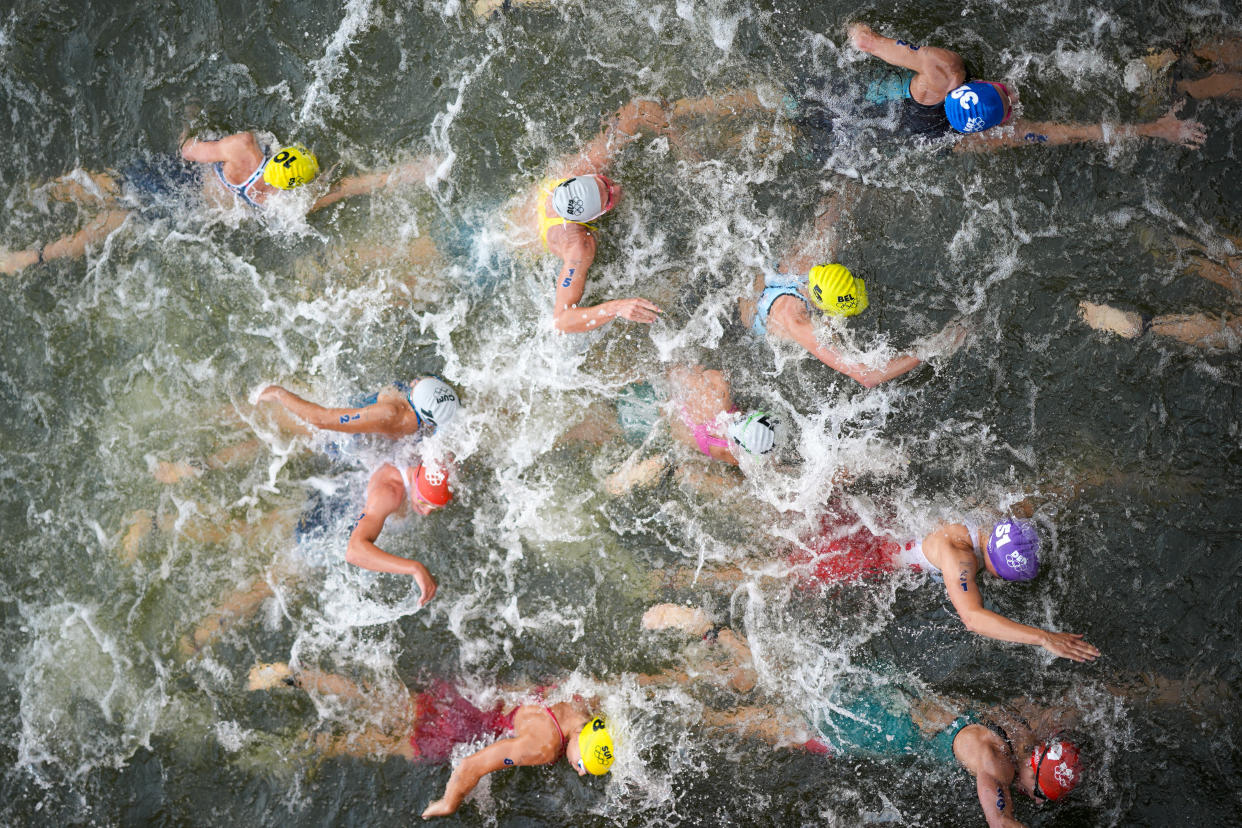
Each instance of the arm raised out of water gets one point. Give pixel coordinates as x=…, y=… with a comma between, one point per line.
x=385, y=494
x=937, y=71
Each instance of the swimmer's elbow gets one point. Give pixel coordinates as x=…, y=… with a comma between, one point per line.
x=867, y=380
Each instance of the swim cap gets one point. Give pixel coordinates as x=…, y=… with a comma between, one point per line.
x=434, y=400
x=756, y=432
x=291, y=167
x=432, y=485
x=974, y=107
x=836, y=291
x=1057, y=767
x=1013, y=550
x=595, y=745
x=577, y=199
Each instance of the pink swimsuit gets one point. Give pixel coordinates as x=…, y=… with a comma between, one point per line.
x=702, y=432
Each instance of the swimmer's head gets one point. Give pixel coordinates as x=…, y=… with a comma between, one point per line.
x=593, y=749
x=292, y=167
x=431, y=488
x=978, y=105
x=1013, y=550
x=756, y=432
x=433, y=401
x=836, y=291
x=1057, y=768
x=584, y=197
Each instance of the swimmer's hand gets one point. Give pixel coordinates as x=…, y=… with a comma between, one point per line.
x=1069, y=645
x=437, y=808
x=862, y=37
x=272, y=393
x=425, y=582
x=635, y=309
x=1188, y=133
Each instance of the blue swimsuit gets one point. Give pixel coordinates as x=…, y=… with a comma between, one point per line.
x=775, y=287
x=242, y=191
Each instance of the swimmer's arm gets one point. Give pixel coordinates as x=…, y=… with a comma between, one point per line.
x=208, y=152
x=505, y=753
x=1169, y=128
x=374, y=419
x=382, y=501
x=421, y=170
x=959, y=582
x=804, y=335
x=899, y=52
x=568, y=317
x=996, y=800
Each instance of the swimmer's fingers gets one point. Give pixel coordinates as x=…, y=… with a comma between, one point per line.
x=637, y=309
x=1071, y=646
x=270, y=394
x=1193, y=134
x=426, y=583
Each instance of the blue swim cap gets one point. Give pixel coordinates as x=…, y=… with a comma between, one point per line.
x=974, y=107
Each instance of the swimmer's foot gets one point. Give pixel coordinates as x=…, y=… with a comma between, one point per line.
x=1107, y=318
x=267, y=676
x=691, y=620
x=632, y=475
x=15, y=261
x=176, y=471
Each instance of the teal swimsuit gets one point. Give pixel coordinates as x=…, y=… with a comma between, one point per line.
x=878, y=724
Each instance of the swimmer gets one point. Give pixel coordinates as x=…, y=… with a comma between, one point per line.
x=430, y=723
x=243, y=172
x=954, y=553
x=388, y=491
x=565, y=207
x=1002, y=745
x=782, y=302
x=701, y=415
x=940, y=97
x=398, y=411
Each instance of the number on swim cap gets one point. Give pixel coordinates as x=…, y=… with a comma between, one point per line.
x=965, y=95
x=1002, y=534
x=285, y=158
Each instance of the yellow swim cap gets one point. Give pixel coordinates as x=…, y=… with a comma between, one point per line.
x=837, y=291
x=291, y=167
x=595, y=745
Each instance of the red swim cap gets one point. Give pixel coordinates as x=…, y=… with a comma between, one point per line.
x=1057, y=768
x=432, y=485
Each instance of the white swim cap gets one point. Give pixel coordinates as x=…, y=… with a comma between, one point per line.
x=577, y=199
x=756, y=432
x=434, y=400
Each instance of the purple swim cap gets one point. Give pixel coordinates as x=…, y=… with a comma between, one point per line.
x=1013, y=550
x=974, y=107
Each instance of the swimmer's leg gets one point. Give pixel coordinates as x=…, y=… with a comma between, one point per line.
x=599, y=426
x=1200, y=330
x=1219, y=85
x=83, y=188
x=68, y=247
x=771, y=725
x=1225, y=53
x=237, y=607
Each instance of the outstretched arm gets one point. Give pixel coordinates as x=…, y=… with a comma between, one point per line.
x=1169, y=128
x=385, y=493
x=417, y=171
x=963, y=591
x=518, y=750
x=804, y=335
x=373, y=419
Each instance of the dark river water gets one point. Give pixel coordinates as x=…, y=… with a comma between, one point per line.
x=152, y=349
